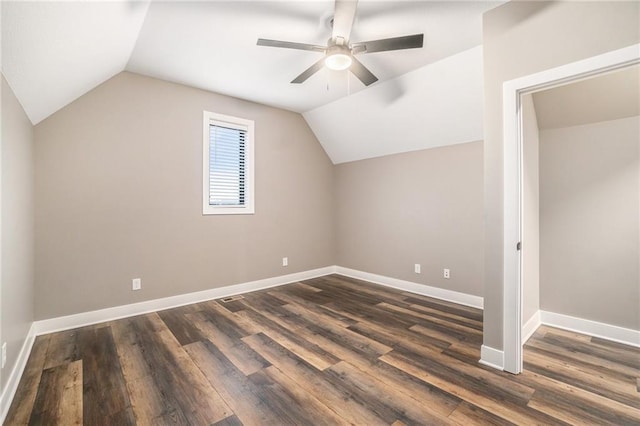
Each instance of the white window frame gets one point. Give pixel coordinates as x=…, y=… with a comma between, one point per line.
x=232, y=122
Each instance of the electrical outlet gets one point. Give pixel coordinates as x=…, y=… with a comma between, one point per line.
x=447, y=273
x=4, y=354
x=416, y=268
x=285, y=261
x=136, y=284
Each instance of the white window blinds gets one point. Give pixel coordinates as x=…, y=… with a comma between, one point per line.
x=227, y=165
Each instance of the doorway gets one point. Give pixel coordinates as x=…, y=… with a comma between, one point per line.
x=513, y=95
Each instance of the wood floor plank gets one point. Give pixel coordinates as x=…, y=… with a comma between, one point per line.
x=444, y=306
x=319, y=325
x=130, y=351
x=176, y=375
x=62, y=349
x=312, y=353
x=340, y=346
x=441, y=402
x=370, y=314
x=180, y=326
x=465, y=353
x=569, y=336
x=385, y=399
x=439, y=331
x=229, y=421
x=369, y=348
x=468, y=414
x=151, y=404
x=25, y=397
x=275, y=312
x=105, y=397
x=583, y=378
x=318, y=297
x=262, y=301
x=232, y=324
x=312, y=311
x=437, y=313
x=59, y=398
x=231, y=305
x=245, y=398
x=629, y=358
x=427, y=320
x=301, y=406
x=241, y=355
x=505, y=409
x=376, y=292
x=300, y=286
x=574, y=356
x=589, y=365
x=338, y=289
x=472, y=377
x=397, y=338
x=571, y=411
x=313, y=381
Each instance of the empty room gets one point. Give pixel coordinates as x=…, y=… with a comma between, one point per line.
x=309, y=212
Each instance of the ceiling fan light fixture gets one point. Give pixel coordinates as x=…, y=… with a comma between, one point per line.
x=338, y=58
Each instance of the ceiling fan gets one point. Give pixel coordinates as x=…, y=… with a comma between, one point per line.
x=339, y=53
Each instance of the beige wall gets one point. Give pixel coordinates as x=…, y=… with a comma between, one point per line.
x=589, y=220
x=530, y=211
x=17, y=227
x=521, y=38
x=419, y=207
x=119, y=187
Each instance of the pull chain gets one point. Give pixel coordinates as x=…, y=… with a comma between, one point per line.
x=326, y=76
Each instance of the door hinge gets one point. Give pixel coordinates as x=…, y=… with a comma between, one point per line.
x=519, y=246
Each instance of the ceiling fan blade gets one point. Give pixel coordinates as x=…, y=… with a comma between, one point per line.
x=395, y=43
x=343, y=17
x=309, y=72
x=290, y=45
x=363, y=74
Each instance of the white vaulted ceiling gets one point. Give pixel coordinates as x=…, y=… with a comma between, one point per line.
x=54, y=52
x=436, y=105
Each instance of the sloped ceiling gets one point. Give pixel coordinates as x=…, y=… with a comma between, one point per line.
x=436, y=105
x=54, y=52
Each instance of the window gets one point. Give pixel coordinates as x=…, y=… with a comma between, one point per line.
x=227, y=165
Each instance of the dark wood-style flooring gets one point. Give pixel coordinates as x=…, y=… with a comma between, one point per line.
x=330, y=350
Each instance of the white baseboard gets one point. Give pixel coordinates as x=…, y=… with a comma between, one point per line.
x=425, y=290
x=93, y=317
x=492, y=357
x=16, y=373
x=117, y=312
x=530, y=327
x=592, y=328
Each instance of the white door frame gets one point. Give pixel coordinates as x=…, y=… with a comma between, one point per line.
x=512, y=179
